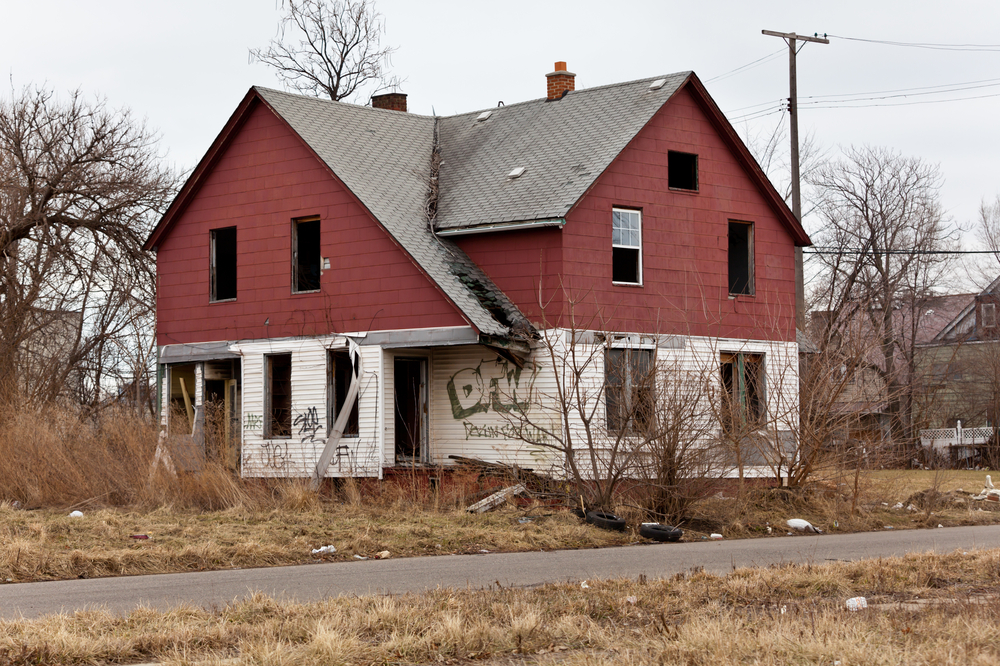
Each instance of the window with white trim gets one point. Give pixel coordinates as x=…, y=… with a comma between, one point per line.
x=626, y=246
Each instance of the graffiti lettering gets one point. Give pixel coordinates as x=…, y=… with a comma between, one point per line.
x=308, y=424
x=253, y=422
x=527, y=433
x=492, y=385
x=275, y=455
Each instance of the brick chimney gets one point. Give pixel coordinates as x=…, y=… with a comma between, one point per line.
x=393, y=101
x=560, y=81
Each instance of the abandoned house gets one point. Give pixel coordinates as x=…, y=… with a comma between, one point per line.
x=357, y=288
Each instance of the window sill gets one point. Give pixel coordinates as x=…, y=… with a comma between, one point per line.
x=626, y=284
x=224, y=300
x=683, y=190
x=735, y=296
x=308, y=291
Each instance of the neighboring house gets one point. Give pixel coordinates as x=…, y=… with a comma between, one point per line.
x=322, y=250
x=960, y=365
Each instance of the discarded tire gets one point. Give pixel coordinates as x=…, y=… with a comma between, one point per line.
x=606, y=521
x=659, y=532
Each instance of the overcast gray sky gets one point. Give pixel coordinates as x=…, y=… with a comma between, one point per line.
x=184, y=64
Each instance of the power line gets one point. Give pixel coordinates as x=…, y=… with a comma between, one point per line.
x=759, y=61
x=834, y=250
x=926, y=45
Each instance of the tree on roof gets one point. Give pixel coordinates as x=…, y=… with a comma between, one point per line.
x=330, y=48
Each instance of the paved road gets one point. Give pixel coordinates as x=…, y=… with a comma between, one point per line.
x=317, y=581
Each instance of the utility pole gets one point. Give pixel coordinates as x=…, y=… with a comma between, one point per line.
x=793, y=113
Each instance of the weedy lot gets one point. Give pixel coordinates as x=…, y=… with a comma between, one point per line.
x=927, y=609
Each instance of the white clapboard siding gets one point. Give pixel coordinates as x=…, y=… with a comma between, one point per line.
x=297, y=456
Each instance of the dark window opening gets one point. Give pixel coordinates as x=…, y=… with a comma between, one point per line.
x=740, y=258
x=743, y=382
x=629, y=390
x=626, y=246
x=306, y=257
x=989, y=315
x=682, y=170
x=279, y=395
x=411, y=409
x=223, y=252
x=340, y=371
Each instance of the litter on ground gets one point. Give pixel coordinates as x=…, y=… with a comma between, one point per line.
x=802, y=525
x=325, y=550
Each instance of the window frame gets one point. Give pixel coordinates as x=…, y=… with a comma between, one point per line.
x=295, y=254
x=989, y=321
x=638, y=247
x=269, y=420
x=213, y=265
x=352, y=428
x=739, y=361
x=695, y=175
x=751, y=288
x=629, y=392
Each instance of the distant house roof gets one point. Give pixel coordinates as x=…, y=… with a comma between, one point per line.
x=563, y=146
x=962, y=323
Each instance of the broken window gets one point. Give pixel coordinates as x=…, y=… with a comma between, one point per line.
x=305, y=254
x=743, y=383
x=626, y=246
x=989, y=315
x=223, y=264
x=340, y=370
x=740, y=258
x=629, y=389
x=278, y=399
x=682, y=170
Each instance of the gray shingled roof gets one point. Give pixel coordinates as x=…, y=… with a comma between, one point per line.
x=564, y=145
x=384, y=157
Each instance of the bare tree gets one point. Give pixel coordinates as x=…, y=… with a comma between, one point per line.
x=330, y=48
x=80, y=187
x=882, y=229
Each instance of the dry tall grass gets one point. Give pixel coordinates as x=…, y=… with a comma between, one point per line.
x=926, y=609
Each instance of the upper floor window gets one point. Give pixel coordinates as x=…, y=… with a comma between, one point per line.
x=223, y=264
x=626, y=246
x=305, y=254
x=989, y=315
x=741, y=258
x=682, y=170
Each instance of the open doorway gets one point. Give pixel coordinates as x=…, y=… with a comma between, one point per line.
x=411, y=409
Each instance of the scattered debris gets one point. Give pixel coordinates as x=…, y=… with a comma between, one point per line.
x=483, y=550
x=888, y=527
x=525, y=520
x=910, y=507
x=383, y=555
x=138, y=536
x=15, y=504
x=715, y=536
x=802, y=525
x=857, y=603
x=76, y=514
x=584, y=585
x=631, y=600
x=940, y=525
x=897, y=505
x=988, y=492
x=325, y=550
x=360, y=557
x=496, y=499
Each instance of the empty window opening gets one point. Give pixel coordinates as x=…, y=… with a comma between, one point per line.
x=223, y=253
x=743, y=383
x=989, y=315
x=410, y=383
x=340, y=370
x=682, y=170
x=629, y=389
x=305, y=254
x=626, y=246
x=740, y=258
x=278, y=399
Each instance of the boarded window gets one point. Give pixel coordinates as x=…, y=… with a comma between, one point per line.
x=629, y=389
x=223, y=261
x=305, y=254
x=278, y=399
x=626, y=246
x=682, y=170
x=741, y=258
x=743, y=381
x=340, y=369
x=989, y=315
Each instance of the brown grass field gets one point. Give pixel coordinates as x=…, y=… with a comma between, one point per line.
x=923, y=609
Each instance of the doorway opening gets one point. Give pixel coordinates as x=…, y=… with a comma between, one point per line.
x=411, y=409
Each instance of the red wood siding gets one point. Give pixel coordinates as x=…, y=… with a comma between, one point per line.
x=264, y=179
x=518, y=261
x=684, y=240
